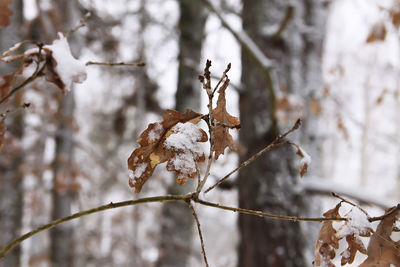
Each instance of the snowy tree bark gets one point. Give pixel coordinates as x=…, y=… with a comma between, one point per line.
x=12, y=156
x=177, y=221
x=291, y=34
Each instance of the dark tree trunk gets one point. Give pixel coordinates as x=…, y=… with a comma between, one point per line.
x=177, y=221
x=12, y=156
x=269, y=183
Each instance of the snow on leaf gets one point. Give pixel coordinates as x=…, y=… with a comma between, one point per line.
x=224, y=121
x=382, y=250
x=357, y=225
x=152, y=150
x=327, y=241
x=186, y=151
x=377, y=33
x=63, y=68
x=5, y=13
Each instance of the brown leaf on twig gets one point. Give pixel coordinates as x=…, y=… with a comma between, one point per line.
x=51, y=73
x=382, y=250
x=377, y=33
x=224, y=121
x=327, y=241
x=5, y=13
x=354, y=244
x=171, y=140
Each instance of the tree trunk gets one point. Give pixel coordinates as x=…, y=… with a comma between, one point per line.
x=177, y=221
x=269, y=183
x=62, y=237
x=12, y=156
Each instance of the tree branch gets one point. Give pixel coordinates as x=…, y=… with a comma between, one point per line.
x=272, y=145
x=203, y=250
x=109, y=206
x=112, y=64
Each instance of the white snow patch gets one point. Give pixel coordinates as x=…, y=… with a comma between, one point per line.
x=357, y=223
x=70, y=69
x=185, y=141
x=139, y=170
x=155, y=133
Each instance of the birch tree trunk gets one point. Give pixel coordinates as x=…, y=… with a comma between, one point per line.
x=12, y=156
x=177, y=221
x=269, y=183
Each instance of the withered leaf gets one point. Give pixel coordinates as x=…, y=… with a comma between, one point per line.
x=327, y=241
x=153, y=151
x=395, y=14
x=382, y=250
x=354, y=244
x=224, y=121
x=377, y=33
x=50, y=71
x=5, y=13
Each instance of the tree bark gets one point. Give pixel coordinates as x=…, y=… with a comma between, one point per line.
x=269, y=183
x=177, y=220
x=12, y=156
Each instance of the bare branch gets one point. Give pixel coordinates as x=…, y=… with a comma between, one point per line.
x=37, y=73
x=351, y=203
x=112, y=64
x=269, y=215
x=109, y=206
x=203, y=250
x=275, y=143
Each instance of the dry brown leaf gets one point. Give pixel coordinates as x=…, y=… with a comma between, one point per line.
x=382, y=250
x=2, y=133
x=7, y=81
x=377, y=33
x=354, y=244
x=327, y=241
x=152, y=150
x=224, y=121
x=51, y=73
x=5, y=13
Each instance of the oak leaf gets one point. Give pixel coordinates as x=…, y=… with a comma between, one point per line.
x=382, y=250
x=5, y=13
x=224, y=121
x=165, y=141
x=327, y=241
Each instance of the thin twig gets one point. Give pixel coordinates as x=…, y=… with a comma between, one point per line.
x=210, y=123
x=112, y=64
x=37, y=72
x=391, y=211
x=111, y=205
x=203, y=250
x=272, y=145
x=269, y=215
x=350, y=203
x=82, y=22
x=224, y=75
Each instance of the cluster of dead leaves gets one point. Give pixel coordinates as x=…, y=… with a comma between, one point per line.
x=156, y=144
x=41, y=58
x=382, y=250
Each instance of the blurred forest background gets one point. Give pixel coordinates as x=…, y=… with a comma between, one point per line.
x=333, y=63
